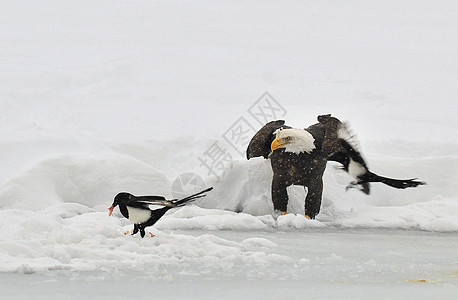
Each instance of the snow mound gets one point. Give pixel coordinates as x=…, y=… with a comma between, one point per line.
x=241, y=199
x=85, y=180
x=89, y=241
x=193, y=217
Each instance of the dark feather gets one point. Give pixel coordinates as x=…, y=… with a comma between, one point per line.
x=144, y=201
x=260, y=143
x=166, y=203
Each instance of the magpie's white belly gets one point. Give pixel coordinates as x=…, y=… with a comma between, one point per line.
x=137, y=215
x=355, y=169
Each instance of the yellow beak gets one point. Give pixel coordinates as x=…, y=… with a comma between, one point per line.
x=277, y=143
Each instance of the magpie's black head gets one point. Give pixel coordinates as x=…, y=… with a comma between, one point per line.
x=121, y=198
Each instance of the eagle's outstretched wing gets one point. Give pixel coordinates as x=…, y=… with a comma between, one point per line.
x=261, y=141
x=339, y=144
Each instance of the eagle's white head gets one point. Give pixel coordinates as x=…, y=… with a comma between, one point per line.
x=293, y=140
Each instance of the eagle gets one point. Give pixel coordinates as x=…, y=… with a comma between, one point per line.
x=299, y=157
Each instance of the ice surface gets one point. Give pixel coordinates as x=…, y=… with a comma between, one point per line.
x=109, y=96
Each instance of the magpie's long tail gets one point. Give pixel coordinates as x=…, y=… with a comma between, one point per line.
x=201, y=194
x=396, y=183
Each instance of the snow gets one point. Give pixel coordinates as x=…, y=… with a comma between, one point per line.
x=109, y=96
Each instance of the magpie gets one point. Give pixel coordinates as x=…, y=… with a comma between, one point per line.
x=355, y=165
x=136, y=208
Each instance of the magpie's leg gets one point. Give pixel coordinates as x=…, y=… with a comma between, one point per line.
x=135, y=229
x=142, y=232
x=360, y=185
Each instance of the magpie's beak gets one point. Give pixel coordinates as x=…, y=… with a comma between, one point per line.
x=111, y=210
x=277, y=143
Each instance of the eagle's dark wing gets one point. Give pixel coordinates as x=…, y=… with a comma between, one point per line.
x=340, y=145
x=261, y=141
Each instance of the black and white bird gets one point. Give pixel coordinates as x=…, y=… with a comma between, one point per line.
x=136, y=208
x=299, y=157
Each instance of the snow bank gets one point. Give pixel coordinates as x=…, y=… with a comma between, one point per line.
x=54, y=216
x=241, y=199
x=73, y=237
x=84, y=180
